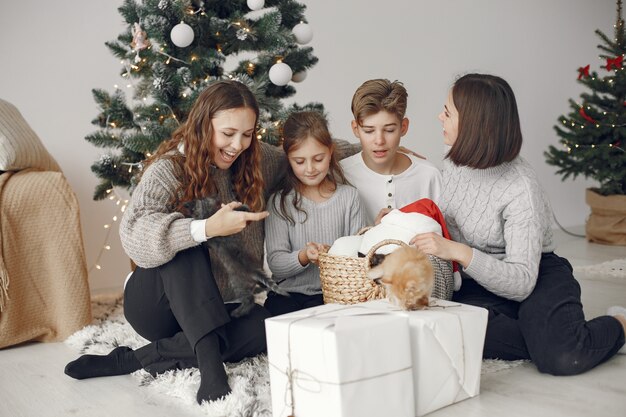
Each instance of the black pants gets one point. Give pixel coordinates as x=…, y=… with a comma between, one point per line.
x=278, y=304
x=549, y=326
x=176, y=304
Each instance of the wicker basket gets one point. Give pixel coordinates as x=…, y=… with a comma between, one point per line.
x=344, y=278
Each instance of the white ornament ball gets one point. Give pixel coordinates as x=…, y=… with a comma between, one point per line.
x=298, y=77
x=256, y=4
x=303, y=33
x=280, y=74
x=182, y=35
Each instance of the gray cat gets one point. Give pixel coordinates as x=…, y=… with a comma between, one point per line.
x=244, y=281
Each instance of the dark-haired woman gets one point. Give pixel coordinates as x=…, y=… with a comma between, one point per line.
x=500, y=220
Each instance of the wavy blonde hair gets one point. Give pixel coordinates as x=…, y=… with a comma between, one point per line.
x=196, y=135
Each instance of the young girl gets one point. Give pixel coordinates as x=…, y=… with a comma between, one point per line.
x=313, y=208
x=180, y=296
x=499, y=219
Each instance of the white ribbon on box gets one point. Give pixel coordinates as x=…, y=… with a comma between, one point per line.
x=447, y=345
x=342, y=361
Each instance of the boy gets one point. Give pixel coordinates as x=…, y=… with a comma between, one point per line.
x=385, y=178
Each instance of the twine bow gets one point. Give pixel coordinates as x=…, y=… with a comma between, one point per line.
x=293, y=374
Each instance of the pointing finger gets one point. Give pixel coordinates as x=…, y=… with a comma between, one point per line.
x=256, y=216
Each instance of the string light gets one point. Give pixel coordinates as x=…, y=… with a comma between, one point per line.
x=121, y=204
x=567, y=145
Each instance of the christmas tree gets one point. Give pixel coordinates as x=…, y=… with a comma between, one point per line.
x=592, y=133
x=172, y=49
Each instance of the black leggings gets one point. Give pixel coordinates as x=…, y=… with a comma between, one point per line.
x=278, y=304
x=549, y=326
x=176, y=304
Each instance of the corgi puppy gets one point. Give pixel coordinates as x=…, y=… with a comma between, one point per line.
x=408, y=275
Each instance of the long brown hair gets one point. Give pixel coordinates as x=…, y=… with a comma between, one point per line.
x=196, y=135
x=489, y=131
x=297, y=128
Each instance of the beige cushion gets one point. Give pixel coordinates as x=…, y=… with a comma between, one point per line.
x=20, y=147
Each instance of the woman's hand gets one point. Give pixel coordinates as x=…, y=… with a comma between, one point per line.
x=228, y=221
x=410, y=152
x=434, y=244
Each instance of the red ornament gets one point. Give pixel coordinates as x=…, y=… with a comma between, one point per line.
x=614, y=62
x=585, y=115
x=583, y=72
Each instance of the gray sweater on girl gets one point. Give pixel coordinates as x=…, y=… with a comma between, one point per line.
x=340, y=215
x=505, y=216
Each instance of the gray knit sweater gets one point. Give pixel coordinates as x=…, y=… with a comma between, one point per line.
x=340, y=215
x=152, y=232
x=505, y=216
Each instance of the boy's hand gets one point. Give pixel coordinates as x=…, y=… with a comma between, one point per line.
x=408, y=151
x=229, y=220
x=382, y=213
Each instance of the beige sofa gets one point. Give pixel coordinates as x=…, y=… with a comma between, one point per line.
x=44, y=290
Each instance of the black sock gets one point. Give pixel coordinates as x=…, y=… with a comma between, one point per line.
x=120, y=361
x=213, y=378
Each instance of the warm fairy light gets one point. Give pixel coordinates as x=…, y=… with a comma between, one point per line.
x=106, y=246
x=259, y=136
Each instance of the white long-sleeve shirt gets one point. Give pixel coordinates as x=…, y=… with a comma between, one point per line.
x=377, y=191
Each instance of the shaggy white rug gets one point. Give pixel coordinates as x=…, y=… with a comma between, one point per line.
x=248, y=379
x=614, y=271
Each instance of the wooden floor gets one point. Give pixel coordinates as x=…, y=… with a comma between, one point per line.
x=32, y=383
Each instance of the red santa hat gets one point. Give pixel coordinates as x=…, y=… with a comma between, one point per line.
x=428, y=207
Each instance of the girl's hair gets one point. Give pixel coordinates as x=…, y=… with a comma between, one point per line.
x=196, y=135
x=489, y=132
x=374, y=96
x=297, y=128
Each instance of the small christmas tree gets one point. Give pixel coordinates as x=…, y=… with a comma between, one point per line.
x=593, y=132
x=172, y=50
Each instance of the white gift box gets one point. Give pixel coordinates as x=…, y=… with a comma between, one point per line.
x=447, y=348
x=339, y=360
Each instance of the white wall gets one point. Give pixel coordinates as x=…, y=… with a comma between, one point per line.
x=53, y=54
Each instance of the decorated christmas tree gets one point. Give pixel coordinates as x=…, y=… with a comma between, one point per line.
x=592, y=134
x=172, y=49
